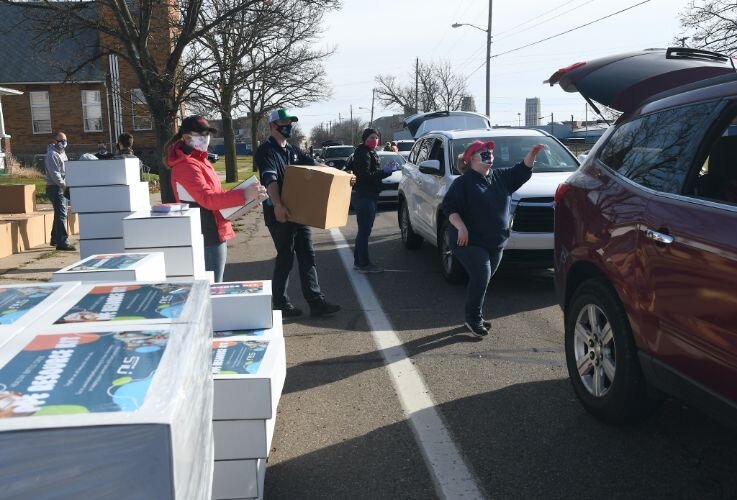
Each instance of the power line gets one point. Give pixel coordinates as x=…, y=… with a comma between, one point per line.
x=545, y=20
x=512, y=28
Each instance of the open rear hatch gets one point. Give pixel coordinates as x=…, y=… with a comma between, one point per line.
x=622, y=82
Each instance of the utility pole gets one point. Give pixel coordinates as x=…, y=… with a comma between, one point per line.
x=683, y=40
x=353, y=137
x=417, y=86
x=330, y=128
x=586, y=122
x=488, y=63
x=552, y=125
x=373, y=96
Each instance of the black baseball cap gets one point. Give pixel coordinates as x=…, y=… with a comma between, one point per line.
x=196, y=123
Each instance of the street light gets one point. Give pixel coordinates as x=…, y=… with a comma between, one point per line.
x=487, y=30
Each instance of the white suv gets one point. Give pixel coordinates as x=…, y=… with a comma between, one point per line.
x=431, y=168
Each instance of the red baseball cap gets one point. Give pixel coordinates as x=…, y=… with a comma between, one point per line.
x=475, y=147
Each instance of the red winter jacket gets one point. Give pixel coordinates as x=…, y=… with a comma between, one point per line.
x=194, y=180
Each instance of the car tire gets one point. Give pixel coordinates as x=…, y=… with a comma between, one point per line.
x=609, y=383
x=410, y=239
x=453, y=271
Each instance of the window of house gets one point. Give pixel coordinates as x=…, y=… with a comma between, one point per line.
x=656, y=150
x=40, y=112
x=92, y=111
x=141, y=113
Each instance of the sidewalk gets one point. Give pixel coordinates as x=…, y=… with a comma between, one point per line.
x=39, y=263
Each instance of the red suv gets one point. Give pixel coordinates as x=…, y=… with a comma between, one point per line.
x=646, y=236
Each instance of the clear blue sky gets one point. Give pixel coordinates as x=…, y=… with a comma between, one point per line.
x=385, y=37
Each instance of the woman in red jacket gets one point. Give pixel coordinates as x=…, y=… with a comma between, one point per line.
x=194, y=181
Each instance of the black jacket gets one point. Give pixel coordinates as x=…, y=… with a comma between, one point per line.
x=367, y=169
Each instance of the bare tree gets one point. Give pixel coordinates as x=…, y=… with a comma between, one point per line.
x=133, y=31
x=438, y=87
x=710, y=24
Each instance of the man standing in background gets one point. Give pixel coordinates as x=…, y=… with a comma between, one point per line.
x=55, y=186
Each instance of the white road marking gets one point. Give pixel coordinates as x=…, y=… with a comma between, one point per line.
x=452, y=477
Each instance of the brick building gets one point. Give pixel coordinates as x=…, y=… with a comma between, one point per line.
x=93, y=106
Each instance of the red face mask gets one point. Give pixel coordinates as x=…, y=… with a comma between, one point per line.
x=372, y=143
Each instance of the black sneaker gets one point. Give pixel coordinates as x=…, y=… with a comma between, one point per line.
x=478, y=330
x=67, y=248
x=288, y=310
x=486, y=323
x=323, y=308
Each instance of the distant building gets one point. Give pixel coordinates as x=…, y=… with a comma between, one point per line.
x=468, y=104
x=532, y=112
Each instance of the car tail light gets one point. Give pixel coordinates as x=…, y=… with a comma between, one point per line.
x=561, y=191
x=555, y=77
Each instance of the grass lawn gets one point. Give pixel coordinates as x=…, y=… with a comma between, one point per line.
x=245, y=169
x=40, y=185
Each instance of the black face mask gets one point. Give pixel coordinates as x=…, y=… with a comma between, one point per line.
x=285, y=130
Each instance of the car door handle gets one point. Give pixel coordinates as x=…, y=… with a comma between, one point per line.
x=659, y=237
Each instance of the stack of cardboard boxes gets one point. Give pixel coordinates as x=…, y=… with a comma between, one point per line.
x=103, y=192
x=249, y=368
x=21, y=226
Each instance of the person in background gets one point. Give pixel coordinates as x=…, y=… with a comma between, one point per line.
x=477, y=207
x=388, y=146
x=365, y=198
x=55, y=186
x=195, y=182
x=125, y=146
x=102, y=152
x=395, y=148
x=290, y=238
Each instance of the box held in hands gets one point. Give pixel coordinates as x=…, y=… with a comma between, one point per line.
x=317, y=196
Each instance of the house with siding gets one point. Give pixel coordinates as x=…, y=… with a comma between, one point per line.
x=94, y=105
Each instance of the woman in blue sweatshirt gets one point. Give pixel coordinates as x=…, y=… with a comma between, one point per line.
x=477, y=207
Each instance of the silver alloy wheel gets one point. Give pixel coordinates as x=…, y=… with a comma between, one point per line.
x=595, y=352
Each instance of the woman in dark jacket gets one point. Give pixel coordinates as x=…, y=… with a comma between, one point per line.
x=195, y=182
x=367, y=169
x=477, y=207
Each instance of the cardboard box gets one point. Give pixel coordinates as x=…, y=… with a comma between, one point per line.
x=102, y=225
x=48, y=216
x=115, y=267
x=181, y=261
x=243, y=439
x=118, y=198
x=249, y=377
x=238, y=479
x=26, y=231
x=102, y=172
x=72, y=223
x=241, y=305
x=88, y=248
x=317, y=196
x=236, y=212
x=6, y=239
x=17, y=198
x=141, y=391
x=151, y=229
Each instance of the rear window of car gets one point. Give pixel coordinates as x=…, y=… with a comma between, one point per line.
x=512, y=149
x=339, y=152
x=405, y=146
x=386, y=159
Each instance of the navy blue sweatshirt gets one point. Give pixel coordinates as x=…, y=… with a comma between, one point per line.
x=483, y=204
x=366, y=166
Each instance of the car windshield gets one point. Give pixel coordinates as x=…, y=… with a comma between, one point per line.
x=342, y=152
x=386, y=159
x=405, y=146
x=455, y=122
x=512, y=150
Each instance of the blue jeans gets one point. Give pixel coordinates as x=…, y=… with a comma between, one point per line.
x=292, y=239
x=480, y=265
x=365, y=207
x=59, y=235
x=215, y=257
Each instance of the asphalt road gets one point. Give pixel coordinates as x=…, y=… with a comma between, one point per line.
x=506, y=400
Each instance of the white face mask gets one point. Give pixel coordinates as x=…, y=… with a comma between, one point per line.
x=199, y=142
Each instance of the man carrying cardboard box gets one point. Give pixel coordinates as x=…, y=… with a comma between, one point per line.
x=272, y=158
x=55, y=186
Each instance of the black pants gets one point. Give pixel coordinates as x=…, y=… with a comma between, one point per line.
x=290, y=239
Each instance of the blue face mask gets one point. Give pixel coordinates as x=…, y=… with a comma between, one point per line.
x=485, y=157
x=61, y=144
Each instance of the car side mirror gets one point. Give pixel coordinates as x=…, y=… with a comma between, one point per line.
x=431, y=167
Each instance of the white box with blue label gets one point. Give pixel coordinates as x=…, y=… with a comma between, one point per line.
x=241, y=305
x=115, y=267
x=148, y=229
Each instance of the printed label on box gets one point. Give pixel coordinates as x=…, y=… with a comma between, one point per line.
x=241, y=288
x=237, y=358
x=129, y=302
x=81, y=373
x=259, y=332
x=109, y=262
x=15, y=302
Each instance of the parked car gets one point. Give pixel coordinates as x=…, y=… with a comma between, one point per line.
x=645, y=247
x=404, y=146
x=336, y=156
x=422, y=123
x=431, y=169
x=212, y=157
x=390, y=185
